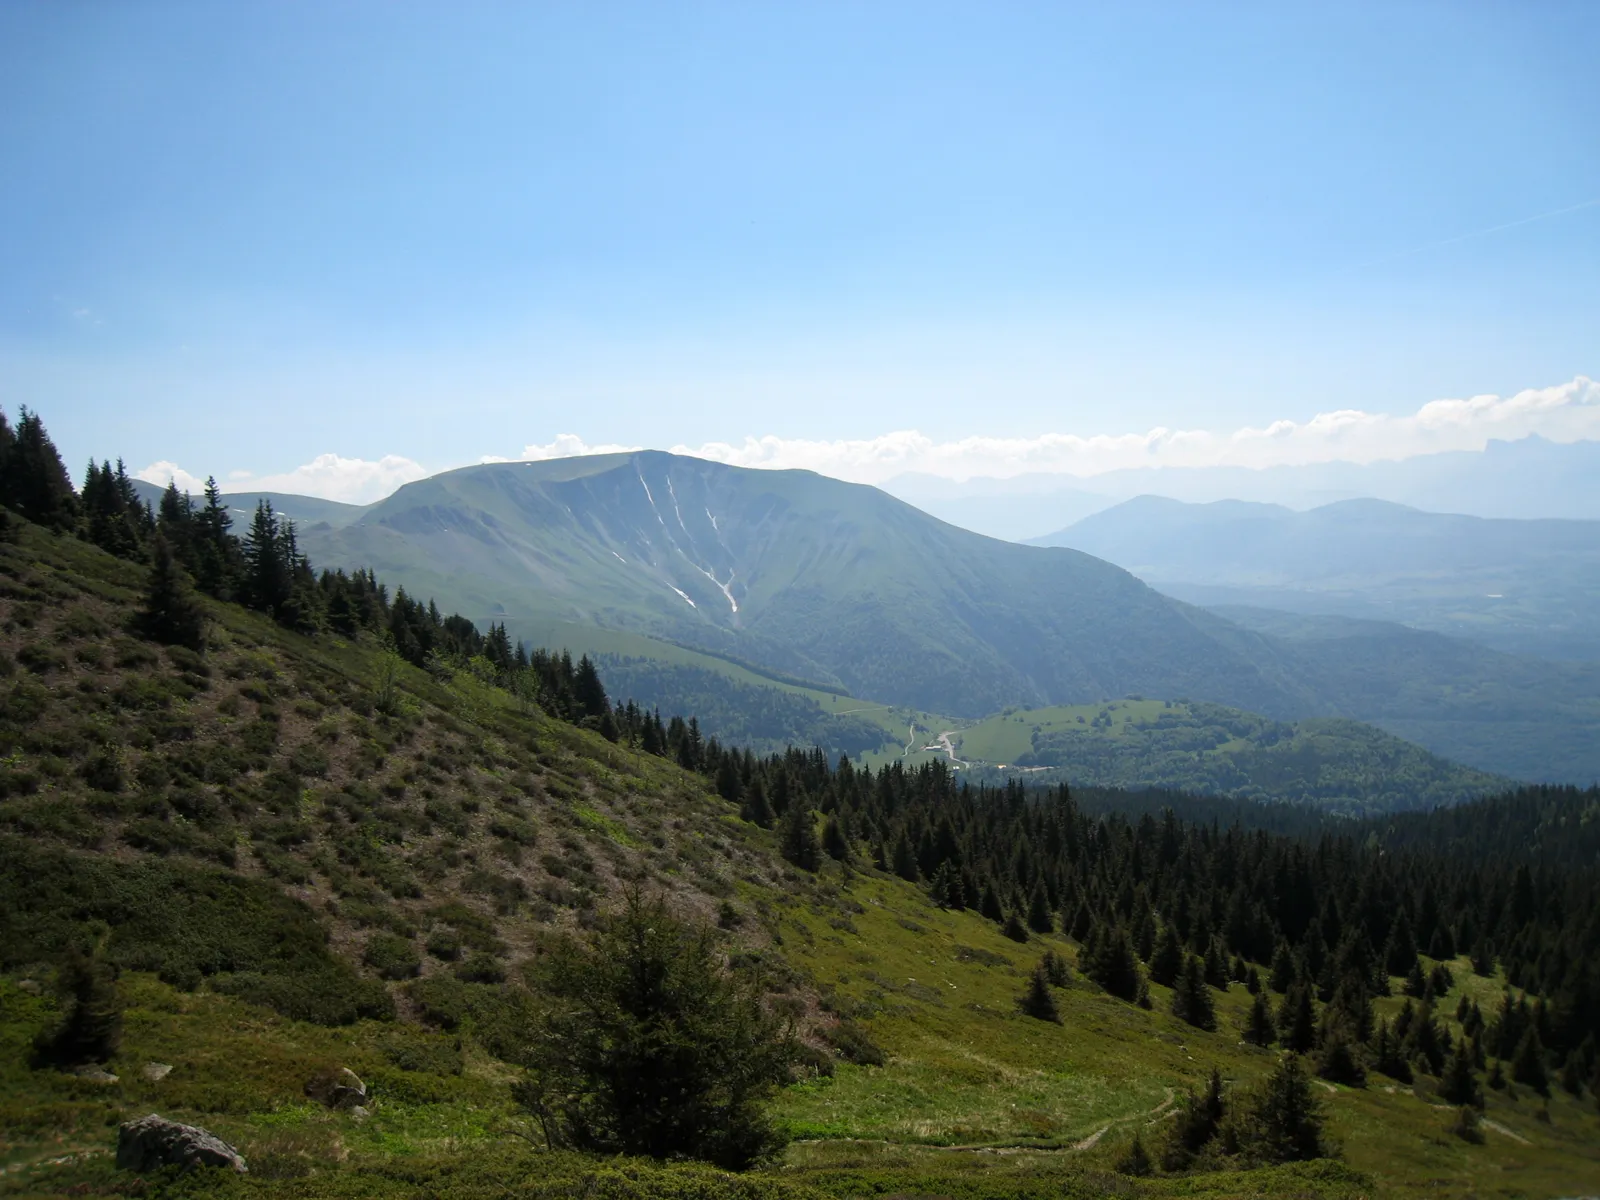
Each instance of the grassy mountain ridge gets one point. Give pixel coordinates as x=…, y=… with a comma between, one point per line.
x=826, y=580
x=843, y=585
x=435, y=844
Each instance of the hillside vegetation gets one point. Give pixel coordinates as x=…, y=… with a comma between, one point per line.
x=1340, y=766
x=292, y=851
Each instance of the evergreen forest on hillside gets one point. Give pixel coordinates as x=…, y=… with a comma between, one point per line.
x=261, y=824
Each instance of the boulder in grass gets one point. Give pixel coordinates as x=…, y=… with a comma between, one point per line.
x=153, y=1141
x=337, y=1088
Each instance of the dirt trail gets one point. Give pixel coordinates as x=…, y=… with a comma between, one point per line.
x=1504, y=1132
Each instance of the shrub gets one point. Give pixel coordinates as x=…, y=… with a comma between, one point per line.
x=652, y=1046
x=392, y=956
x=854, y=1045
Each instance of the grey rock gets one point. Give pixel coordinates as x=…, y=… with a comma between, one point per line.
x=155, y=1072
x=154, y=1141
x=92, y=1073
x=337, y=1089
x=31, y=986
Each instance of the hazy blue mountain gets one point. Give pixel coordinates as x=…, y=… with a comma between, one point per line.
x=830, y=581
x=1526, y=479
x=1524, y=586
x=852, y=590
x=302, y=510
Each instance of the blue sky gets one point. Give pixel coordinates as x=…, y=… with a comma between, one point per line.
x=236, y=237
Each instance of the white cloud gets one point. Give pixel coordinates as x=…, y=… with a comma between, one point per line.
x=331, y=476
x=163, y=472
x=1565, y=413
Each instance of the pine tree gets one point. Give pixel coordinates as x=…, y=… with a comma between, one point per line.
x=1258, y=1027
x=33, y=479
x=754, y=807
x=1283, y=969
x=171, y=611
x=1136, y=1160
x=1460, y=1082
x=1039, y=919
x=1108, y=960
x=1191, y=998
x=1297, y=1027
x=797, y=840
x=1015, y=927
x=90, y=1030
x=1038, y=1001
x=1166, y=961
x=1339, y=1058
x=1284, y=1124
x=835, y=841
x=1197, y=1122
x=1528, y=1065
x=1056, y=969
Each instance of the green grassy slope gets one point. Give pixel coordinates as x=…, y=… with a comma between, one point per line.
x=262, y=782
x=1338, y=765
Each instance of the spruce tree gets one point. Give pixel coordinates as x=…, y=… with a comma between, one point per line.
x=1284, y=1124
x=1191, y=998
x=754, y=807
x=797, y=840
x=1108, y=960
x=1166, y=961
x=1196, y=1123
x=90, y=1029
x=1056, y=969
x=1038, y=1001
x=650, y=1045
x=1297, y=1027
x=33, y=479
x=1339, y=1058
x=1039, y=919
x=1459, y=1084
x=1283, y=969
x=1527, y=1067
x=1258, y=1027
x=1135, y=1160
x=171, y=613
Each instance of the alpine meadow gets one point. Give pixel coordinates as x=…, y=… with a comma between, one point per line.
x=799, y=602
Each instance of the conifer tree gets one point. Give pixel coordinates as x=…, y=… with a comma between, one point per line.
x=798, y=838
x=1284, y=1124
x=1459, y=1085
x=1166, y=961
x=1258, y=1027
x=754, y=808
x=1015, y=927
x=1283, y=969
x=1197, y=1122
x=1339, y=1058
x=1038, y=1001
x=1528, y=1065
x=1297, y=1027
x=1191, y=998
x=171, y=611
x=1108, y=960
x=1039, y=919
x=1136, y=1160
x=33, y=479
x=90, y=1029
x=835, y=842
x=1056, y=969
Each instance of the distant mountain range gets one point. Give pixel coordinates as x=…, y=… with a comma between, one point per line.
x=1528, y=587
x=1525, y=479
x=841, y=586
